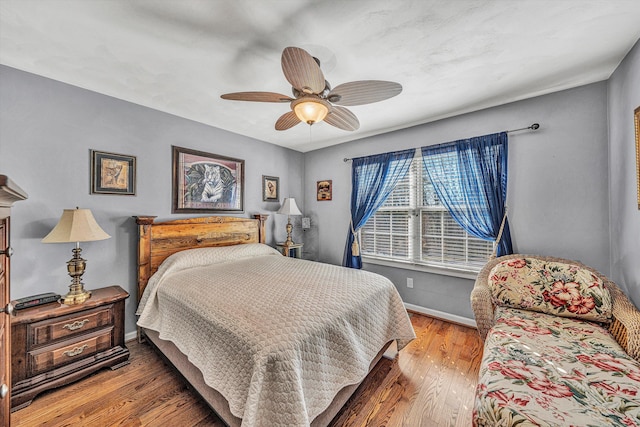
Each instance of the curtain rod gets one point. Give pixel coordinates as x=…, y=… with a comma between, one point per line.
x=534, y=126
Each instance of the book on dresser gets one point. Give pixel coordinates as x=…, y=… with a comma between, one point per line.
x=55, y=344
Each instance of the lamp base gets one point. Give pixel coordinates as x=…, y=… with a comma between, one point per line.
x=289, y=241
x=76, y=267
x=76, y=296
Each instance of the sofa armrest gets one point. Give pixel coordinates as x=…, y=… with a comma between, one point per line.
x=482, y=308
x=482, y=301
x=481, y=298
x=625, y=326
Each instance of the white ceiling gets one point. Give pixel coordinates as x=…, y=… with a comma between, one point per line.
x=451, y=56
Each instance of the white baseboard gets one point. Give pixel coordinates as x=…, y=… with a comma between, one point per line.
x=131, y=336
x=453, y=318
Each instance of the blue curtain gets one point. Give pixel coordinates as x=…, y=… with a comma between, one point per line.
x=373, y=178
x=470, y=178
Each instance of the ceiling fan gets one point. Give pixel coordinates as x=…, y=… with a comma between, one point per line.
x=313, y=99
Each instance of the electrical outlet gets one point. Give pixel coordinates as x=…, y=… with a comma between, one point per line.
x=409, y=282
x=306, y=223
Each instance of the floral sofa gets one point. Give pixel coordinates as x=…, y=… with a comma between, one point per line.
x=562, y=346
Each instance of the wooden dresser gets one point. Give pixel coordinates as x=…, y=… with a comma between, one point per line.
x=9, y=194
x=55, y=344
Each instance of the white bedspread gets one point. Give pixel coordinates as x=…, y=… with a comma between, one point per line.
x=278, y=337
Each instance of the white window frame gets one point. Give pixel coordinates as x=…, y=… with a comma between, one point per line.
x=415, y=261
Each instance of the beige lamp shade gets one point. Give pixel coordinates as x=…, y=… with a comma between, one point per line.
x=289, y=207
x=76, y=225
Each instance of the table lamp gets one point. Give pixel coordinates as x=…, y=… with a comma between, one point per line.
x=76, y=225
x=289, y=208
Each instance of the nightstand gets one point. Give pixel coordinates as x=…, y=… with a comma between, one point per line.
x=55, y=344
x=295, y=250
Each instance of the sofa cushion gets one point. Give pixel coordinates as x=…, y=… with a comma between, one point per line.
x=539, y=369
x=550, y=287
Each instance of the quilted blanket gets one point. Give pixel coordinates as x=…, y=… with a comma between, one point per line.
x=278, y=337
x=545, y=370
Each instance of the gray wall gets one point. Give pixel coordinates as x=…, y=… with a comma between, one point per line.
x=558, y=180
x=46, y=131
x=557, y=189
x=624, y=97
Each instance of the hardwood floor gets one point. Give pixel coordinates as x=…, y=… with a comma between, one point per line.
x=431, y=383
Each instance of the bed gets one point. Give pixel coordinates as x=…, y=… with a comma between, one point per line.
x=266, y=340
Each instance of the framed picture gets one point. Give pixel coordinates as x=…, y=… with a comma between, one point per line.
x=324, y=189
x=636, y=115
x=112, y=173
x=270, y=188
x=205, y=182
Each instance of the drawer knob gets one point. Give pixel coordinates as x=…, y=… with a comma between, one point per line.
x=75, y=325
x=76, y=351
x=4, y=390
x=9, y=309
x=8, y=252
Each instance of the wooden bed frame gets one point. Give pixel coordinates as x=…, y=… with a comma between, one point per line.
x=157, y=241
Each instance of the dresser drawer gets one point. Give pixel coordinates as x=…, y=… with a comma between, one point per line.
x=50, y=357
x=46, y=331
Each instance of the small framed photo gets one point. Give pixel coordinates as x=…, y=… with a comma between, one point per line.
x=205, y=182
x=113, y=173
x=324, y=189
x=270, y=188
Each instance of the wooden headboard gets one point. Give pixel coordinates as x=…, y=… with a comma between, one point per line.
x=156, y=241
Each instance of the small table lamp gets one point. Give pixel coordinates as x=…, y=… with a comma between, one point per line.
x=76, y=225
x=289, y=208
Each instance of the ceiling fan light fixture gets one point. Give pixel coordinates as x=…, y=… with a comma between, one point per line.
x=311, y=110
x=313, y=98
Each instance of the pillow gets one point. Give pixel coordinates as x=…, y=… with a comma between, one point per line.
x=558, y=288
x=201, y=257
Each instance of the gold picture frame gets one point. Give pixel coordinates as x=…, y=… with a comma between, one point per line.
x=324, y=190
x=636, y=115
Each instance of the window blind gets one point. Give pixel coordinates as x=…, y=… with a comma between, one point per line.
x=414, y=226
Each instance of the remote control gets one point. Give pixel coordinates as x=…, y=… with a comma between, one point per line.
x=35, y=300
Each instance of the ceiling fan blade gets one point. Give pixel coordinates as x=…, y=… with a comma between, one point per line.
x=287, y=121
x=342, y=118
x=302, y=71
x=363, y=92
x=257, y=96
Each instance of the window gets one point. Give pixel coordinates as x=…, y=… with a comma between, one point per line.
x=414, y=227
